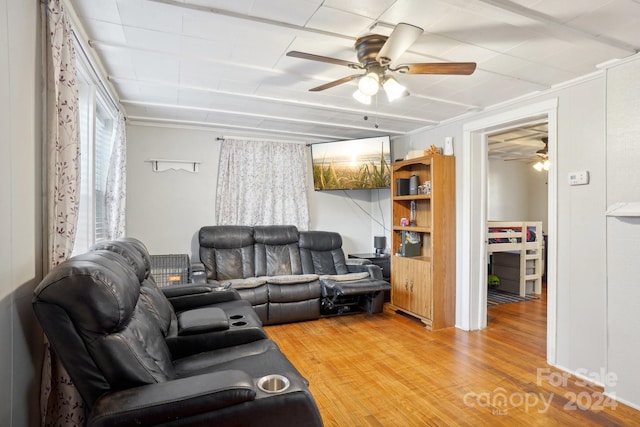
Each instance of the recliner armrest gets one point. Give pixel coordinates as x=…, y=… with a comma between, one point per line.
x=187, y=297
x=202, y=320
x=168, y=401
x=198, y=273
x=375, y=271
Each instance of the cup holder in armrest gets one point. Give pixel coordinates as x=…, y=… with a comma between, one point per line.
x=273, y=383
x=236, y=316
x=239, y=323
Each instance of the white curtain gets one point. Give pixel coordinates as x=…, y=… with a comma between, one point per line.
x=60, y=402
x=262, y=183
x=115, y=194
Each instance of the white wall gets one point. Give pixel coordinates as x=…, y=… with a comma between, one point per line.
x=507, y=191
x=516, y=192
x=20, y=246
x=581, y=316
x=166, y=209
x=623, y=234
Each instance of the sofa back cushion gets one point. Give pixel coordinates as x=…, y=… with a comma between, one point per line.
x=150, y=295
x=321, y=253
x=227, y=252
x=276, y=250
x=89, y=307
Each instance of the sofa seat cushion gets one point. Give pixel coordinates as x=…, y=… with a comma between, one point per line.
x=290, y=279
x=248, y=283
x=201, y=320
x=293, y=292
x=345, y=277
x=237, y=357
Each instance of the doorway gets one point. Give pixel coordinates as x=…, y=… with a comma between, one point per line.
x=517, y=193
x=472, y=255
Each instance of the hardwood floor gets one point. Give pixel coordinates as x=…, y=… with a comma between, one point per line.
x=388, y=370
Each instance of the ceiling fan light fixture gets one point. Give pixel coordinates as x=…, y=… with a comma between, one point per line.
x=361, y=97
x=393, y=89
x=541, y=165
x=369, y=84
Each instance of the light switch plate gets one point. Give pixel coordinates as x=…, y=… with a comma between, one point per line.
x=579, y=178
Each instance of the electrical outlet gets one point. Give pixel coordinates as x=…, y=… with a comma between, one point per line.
x=579, y=178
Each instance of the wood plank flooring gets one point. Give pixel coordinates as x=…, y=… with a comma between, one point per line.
x=388, y=370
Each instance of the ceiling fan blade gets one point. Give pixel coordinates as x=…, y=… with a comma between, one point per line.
x=402, y=36
x=312, y=57
x=462, y=68
x=335, y=83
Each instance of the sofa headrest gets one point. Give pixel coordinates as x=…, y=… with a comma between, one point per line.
x=320, y=240
x=128, y=252
x=225, y=236
x=144, y=252
x=98, y=290
x=275, y=234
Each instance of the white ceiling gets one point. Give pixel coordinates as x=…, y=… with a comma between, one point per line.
x=222, y=64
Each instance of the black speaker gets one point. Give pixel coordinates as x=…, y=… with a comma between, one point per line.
x=413, y=184
x=402, y=187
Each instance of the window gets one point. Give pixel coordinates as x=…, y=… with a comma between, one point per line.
x=97, y=125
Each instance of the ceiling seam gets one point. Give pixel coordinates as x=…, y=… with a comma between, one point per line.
x=548, y=21
x=257, y=115
x=323, y=107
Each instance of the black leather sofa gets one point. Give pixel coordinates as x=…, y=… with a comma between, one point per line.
x=289, y=275
x=137, y=360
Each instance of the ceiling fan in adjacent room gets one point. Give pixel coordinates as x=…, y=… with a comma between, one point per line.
x=540, y=157
x=377, y=55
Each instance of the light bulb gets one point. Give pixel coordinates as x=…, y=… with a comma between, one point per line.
x=538, y=166
x=393, y=89
x=369, y=84
x=361, y=97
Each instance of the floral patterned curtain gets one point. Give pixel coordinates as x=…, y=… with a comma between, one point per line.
x=115, y=195
x=262, y=183
x=60, y=402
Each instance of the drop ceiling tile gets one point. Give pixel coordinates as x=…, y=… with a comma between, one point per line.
x=238, y=86
x=618, y=20
x=422, y=13
x=267, y=55
x=366, y=8
x=152, y=40
x=150, y=15
x=127, y=89
x=198, y=74
x=238, y=6
x=152, y=66
x=150, y=93
x=296, y=12
x=201, y=48
x=339, y=22
x=565, y=11
x=210, y=26
x=104, y=10
x=117, y=62
x=105, y=32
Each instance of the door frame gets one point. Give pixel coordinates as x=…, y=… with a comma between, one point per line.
x=472, y=254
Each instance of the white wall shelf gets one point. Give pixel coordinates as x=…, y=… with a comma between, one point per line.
x=161, y=165
x=626, y=209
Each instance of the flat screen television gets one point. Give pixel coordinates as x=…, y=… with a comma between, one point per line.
x=352, y=164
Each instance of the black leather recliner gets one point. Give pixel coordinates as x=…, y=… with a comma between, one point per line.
x=347, y=287
x=209, y=318
x=113, y=346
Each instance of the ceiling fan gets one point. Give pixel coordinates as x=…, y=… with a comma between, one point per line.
x=540, y=157
x=376, y=56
